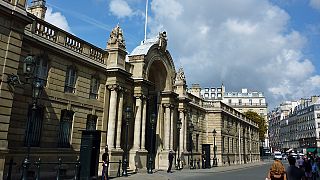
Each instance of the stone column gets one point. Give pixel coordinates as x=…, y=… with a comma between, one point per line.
x=143, y=127
x=112, y=116
x=185, y=131
x=167, y=127
x=137, y=124
x=182, y=134
x=119, y=123
x=171, y=127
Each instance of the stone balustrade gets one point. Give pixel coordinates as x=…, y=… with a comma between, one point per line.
x=62, y=38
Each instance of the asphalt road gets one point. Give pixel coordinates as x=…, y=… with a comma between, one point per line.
x=248, y=173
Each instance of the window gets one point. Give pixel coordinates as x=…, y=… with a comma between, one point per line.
x=213, y=89
x=318, y=115
x=213, y=95
x=34, y=126
x=71, y=78
x=41, y=69
x=219, y=89
x=229, y=101
x=197, y=142
x=240, y=101
x=94, y=87
x=206, y=95
x=65, y=128
x=206, y=89
x=250, y=101
x=219, y=95
x=91, y=122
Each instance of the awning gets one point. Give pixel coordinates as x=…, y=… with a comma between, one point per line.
x=312, y=150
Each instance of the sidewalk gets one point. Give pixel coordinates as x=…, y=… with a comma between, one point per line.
x=163, y=175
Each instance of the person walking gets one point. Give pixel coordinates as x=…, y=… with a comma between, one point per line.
x=293, y=172
x=277, y=171
x=170, y=157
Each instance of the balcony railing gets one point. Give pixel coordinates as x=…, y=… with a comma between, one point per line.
x=62, y=38
x=248, y=104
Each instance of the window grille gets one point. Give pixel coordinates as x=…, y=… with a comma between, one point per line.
x=65, y=128
x=34, y=126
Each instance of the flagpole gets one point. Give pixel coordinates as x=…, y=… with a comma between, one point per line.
x=146, y=22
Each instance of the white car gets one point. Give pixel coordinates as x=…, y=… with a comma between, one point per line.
x=277, y=155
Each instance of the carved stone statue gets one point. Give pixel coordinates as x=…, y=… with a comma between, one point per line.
x=180, y=75
x=116, y=37
x=163, y=40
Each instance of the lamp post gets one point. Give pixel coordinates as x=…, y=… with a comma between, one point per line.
x=150, y=163
x=191, y=127
x=29, y=68
x=214, y=133
x=179, y=124
x=128, y=112
x=228, y=129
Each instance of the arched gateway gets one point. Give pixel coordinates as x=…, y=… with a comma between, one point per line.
x=153, y=74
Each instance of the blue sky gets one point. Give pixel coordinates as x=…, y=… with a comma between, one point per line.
x=264, y=45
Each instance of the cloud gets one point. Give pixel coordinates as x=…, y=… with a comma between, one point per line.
x=244, y=44
x=57, y=19
x=315, y=4
x=120, y=8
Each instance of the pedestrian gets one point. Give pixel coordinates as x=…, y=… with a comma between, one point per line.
x=315, y=174
x=170, y=157
x=293, y=172
x=300, y=161
x=308, y=169
x=105, y=164
x=277, y=171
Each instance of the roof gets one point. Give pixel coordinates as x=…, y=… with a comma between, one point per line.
x=144, y=47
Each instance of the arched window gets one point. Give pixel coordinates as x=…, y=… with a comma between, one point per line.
x=94, y=87
x=71, y=78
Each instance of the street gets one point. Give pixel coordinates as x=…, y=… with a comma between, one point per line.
x=248, y=171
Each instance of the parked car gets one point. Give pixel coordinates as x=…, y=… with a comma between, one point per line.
x=294, y=155
x=277, y=155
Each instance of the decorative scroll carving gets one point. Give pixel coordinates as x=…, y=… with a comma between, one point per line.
x=180, y=75
x=116, y=37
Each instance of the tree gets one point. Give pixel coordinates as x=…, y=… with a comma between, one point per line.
x=255, y=117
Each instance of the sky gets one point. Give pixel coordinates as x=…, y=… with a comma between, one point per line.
x=270, y=46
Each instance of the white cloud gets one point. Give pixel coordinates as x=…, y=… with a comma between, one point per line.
x=120, y=8
x=240, y=43
x=57, y=19
x=315, y=4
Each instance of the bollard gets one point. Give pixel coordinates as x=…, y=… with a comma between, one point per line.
x=59, y=167
x=119, y=167
x=37, y=164
x=10, y=169
x=77, y=170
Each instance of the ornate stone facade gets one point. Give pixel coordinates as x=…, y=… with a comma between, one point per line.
x=88, y=87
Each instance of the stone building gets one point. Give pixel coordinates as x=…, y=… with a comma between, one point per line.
x=86, y=87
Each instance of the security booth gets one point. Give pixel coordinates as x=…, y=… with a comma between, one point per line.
x=206, y=156
x=89, y=154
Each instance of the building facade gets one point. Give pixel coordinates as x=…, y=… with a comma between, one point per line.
x=85, y=87
x=243, y=101
x=276, y=120
x=300, y=128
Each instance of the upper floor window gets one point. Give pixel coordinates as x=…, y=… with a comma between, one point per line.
x=229, y=101
x=71, y=78
x=41, y=69
x=206, y=89
x=219, y=89
x=240, y=101
x=94, y=87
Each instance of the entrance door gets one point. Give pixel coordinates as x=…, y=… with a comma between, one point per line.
x=206, y=156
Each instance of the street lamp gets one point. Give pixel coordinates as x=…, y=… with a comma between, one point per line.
x=29, y=66
x=128, y=112
x=179, y=124
x=152, y=122
x=228, y=129
x=191, y=128
x=214, y=133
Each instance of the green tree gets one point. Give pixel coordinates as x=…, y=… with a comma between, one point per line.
x=255, y=117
